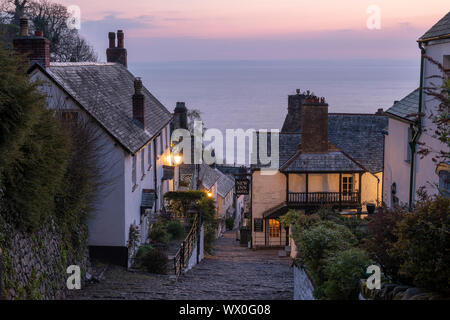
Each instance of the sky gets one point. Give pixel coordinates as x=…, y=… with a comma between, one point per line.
x=179, y=30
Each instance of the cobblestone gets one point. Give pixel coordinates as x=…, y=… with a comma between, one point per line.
x=233, y=273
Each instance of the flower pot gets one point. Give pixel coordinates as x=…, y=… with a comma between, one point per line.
x=371, y=208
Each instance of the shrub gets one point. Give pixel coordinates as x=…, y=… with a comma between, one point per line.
x=176, y=230
x=321, y=241
x=343, y=272
x=158, y=232
x=155, y=261
x=143, y=250
x=290, y=218
x=229, y=223
x=424, y=245
x=381, y=239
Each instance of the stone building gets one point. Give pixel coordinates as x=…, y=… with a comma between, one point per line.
x=406, y=170
x=327, y=159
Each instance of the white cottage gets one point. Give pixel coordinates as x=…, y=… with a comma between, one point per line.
x=405, y=170
x=135, y=130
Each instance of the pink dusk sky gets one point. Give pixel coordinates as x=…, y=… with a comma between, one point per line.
x=168, y=30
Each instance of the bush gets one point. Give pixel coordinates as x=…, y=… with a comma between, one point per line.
x=424, y=245
x=290, y=218
x=343, y=271
x=320, y=241
x=158, y=232
x=381, y=238
x=229, y=222
x=155, y=261
x=143, y=250
x=176, y=230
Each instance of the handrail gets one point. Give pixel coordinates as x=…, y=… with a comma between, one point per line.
x=183, y=254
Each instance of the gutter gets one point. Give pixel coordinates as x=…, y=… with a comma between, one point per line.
x=416, y=133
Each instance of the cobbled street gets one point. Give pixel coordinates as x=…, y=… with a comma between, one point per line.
x=233, y=273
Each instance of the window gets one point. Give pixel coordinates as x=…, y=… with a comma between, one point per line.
x=347, y=185
x=444, y=183
x=408, y=147
x=161, y=149
x=143, y=164
x=133, y=174
x=446, y=64
x=274, y=228
x=150, y=155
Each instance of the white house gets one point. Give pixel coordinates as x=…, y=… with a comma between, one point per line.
x=405, y=170
x=135, y=131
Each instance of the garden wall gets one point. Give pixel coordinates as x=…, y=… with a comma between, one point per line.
x=396, y=292
x=303, y=287
x=193, y=259
x=33, y=266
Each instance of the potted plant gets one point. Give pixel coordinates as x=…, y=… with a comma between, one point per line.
x=371, y=208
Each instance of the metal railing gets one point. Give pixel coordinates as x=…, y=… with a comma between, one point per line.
x=317, y=198
x=183, y=254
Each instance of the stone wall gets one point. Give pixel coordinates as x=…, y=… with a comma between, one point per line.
x=303, y=287
x=390, y=291
x=33, y=265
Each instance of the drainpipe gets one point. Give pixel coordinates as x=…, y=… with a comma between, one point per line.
x=416, y=133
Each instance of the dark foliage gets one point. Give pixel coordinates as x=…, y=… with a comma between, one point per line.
x=155, y=261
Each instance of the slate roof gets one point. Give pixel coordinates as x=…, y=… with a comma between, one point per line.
x=105, y=91
x=440, y=29
x=334, y=161
x=224, y=185
x=208, y=176
x=359, y=137
x=407, y=106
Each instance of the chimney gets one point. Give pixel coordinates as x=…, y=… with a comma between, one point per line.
x=117, y=54
x=380, y=112
x=138, y=102
x=180, y=116
x=314, y=120
x=36, y=48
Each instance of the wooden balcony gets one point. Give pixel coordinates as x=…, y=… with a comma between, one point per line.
x=341, y=199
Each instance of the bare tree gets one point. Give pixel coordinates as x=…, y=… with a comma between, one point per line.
x=66, y=45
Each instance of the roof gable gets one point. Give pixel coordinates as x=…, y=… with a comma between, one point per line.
x=407, y=107
x=440, y=29
x=104, y=91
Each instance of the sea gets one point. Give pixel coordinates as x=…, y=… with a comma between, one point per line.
x=254, y=94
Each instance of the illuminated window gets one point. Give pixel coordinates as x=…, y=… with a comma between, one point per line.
x=347, y=185
x=274, y=228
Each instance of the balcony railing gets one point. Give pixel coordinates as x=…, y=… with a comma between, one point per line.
x=324, y=198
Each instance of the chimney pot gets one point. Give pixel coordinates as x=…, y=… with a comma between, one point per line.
x=24, y=27
x=120, y=39
x=138, y=85
x=112, y=39
x=117, y=54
